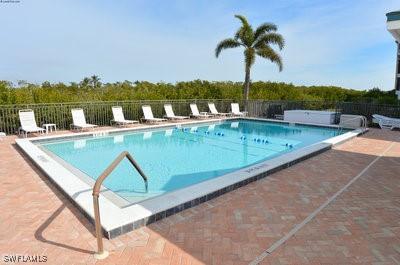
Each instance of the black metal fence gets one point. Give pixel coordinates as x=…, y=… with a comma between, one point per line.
x=270, y=109
x=100, y=112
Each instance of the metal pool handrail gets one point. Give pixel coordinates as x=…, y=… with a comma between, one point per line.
x=101, y=254
x=364, y=123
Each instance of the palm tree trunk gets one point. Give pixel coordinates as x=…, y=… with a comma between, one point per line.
x=246, y=87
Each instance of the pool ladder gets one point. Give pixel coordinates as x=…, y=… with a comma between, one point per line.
x=101, y=254
x=363, y=126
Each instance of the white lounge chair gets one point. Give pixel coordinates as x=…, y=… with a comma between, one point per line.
x=197, y=114
x=28, y=122
x=214, y=111
x=148, y=115
x=386, y=122
x=236, y=110
x=119, y=118
x=79, y=120
x=169, y=113
x=2, y=135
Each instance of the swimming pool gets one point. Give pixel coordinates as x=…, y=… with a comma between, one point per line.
x=175, y=158
x=187, y=163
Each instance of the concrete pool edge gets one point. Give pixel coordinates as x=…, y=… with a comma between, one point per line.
x=117, y=221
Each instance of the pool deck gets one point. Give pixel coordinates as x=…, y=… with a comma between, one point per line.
x=339, y=207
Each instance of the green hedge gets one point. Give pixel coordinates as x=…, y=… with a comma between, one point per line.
x=27, y=93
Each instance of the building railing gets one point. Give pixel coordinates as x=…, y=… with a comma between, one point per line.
x=100, y=113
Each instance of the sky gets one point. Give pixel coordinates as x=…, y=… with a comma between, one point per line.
x=339, y=42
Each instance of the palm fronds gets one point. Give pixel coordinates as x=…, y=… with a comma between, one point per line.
x=226, y=44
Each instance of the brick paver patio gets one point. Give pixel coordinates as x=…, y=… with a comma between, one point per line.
x=361, y=226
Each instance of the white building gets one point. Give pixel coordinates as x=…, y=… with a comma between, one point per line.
x=393, y=26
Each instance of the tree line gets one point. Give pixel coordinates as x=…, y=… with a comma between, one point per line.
x=91, y=89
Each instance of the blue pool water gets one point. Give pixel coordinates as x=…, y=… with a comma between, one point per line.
x=177, y=158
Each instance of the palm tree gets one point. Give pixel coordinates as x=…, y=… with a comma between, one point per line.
x=255, y=43
x=95, y=80
x=85, y=82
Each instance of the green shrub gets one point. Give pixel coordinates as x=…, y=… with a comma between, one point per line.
x=197, y=89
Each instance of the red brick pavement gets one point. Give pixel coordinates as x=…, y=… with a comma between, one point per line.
x=362, y=226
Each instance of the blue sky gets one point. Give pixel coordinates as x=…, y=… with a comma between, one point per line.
x=343, y=43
